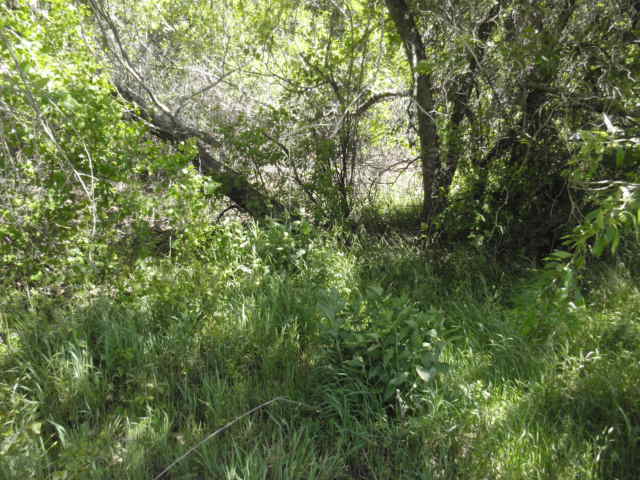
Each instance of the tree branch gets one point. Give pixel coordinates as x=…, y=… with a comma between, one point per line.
x=377, y=98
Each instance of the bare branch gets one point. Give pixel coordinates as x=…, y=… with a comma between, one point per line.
x=122, y=55
x=377, y=98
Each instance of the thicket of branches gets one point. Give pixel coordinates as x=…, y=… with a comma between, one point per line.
x=517, y=117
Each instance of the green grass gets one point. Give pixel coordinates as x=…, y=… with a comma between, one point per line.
x=119, y=378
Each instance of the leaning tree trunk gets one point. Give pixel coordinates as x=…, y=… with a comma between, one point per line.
x=165, y=125
x=233, y=184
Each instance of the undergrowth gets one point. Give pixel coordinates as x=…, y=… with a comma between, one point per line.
x=402, y=363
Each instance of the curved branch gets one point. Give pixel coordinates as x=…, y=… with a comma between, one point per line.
x=377, y=98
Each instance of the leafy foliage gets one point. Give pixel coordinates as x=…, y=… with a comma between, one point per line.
x=139, y=315
x=385, y=342
x=605, y=169
x=73, y=168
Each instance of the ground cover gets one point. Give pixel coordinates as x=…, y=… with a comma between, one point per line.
x=391, y=362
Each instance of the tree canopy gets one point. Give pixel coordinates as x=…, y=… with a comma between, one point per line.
x=506, y=111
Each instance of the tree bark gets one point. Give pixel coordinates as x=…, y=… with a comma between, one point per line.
x=414, y=49
x=459, y=94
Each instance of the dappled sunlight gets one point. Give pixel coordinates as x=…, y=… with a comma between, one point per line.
x=332, y=240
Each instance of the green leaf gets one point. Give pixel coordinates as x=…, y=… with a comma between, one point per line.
x=374, y=373
x=357, y=362
x=399, y=379
x=599, y=246
x=389, y=392
x=376, y=291
x=423, y=67
x=560, y=255
x=35, y=427
x=616, y=241
x=620, y=157
x=387, y=357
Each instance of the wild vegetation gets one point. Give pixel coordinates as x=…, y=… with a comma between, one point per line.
x=319, y=239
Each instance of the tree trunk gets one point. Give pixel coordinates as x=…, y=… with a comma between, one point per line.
x=233, y=184
x=459, y=94
x=433, y=196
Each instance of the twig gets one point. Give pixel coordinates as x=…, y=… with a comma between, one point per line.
x=221, y=214
x=121, y=54
x=222, y=429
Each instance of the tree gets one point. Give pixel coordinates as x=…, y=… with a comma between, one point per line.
x=439, y=158
x=414, y=48
x=167, y=123
x=289, y=100
x=319, y=70
x=336, y=71
x=498, y=88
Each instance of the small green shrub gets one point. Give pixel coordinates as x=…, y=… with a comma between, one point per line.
x=385, y=342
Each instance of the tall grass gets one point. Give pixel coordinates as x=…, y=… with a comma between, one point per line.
x=121, y=377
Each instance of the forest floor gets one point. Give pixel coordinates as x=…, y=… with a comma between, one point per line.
x=386, y=362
